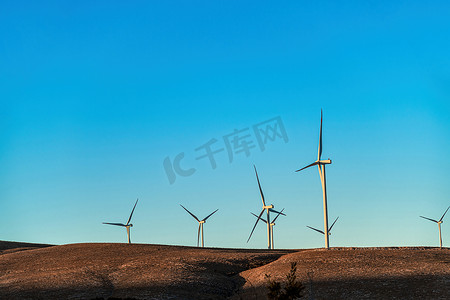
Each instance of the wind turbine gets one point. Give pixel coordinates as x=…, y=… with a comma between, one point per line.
x=321, y=164
x=439, y=225
x=200, y=224
x=127, y=225
x=271, y=226
x=268, y=209
x=329, y=230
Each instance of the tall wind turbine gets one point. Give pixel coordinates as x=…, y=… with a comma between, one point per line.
x=271, y=226
x=127, y=225
x=329, y=229
x=439, y=225
x=268, y=209
x=321, y=164
x=200, y=224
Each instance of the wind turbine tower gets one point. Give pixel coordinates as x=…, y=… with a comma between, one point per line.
x=439, y=225
x=200, y=224
x=272, y=224
x=321, y=165
x=127, y=225
x=268, y=209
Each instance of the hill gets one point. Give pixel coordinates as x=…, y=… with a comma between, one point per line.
x=9, y=247
x=87, y=271
x=140, y=271
x=359, y=273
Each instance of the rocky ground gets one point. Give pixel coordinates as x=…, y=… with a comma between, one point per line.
x=139, y=271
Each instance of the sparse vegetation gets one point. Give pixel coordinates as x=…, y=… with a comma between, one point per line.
x=291, y=289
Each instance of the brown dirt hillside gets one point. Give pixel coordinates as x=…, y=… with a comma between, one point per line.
x=138, y=271
x=9, y=247
x=359, y=273
x=89, y=271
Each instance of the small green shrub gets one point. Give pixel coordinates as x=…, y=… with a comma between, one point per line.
x=290, y=290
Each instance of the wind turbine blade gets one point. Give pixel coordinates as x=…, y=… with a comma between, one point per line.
x=198, y=234
x=320, y=137
x=190, y=213
x=129, y=219
x=277, y=212
x=273, y=221
x=313, y=164
x=259, y=217
x=429, y=219
x=260, y=190
x=210, y=215
x=315, y=229
x=444, y=214
x=117, y=224
x=333, y=224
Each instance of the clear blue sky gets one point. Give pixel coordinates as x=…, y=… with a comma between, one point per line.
x=95, y=96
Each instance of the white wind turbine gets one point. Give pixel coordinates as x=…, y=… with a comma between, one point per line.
x=439, y=225
x=329, y=230
x=271, y=226
x=268, y=209
x=321, y=164
x=127, y=225
x=200, y=224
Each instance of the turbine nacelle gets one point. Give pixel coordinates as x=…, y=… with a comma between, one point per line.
x=324, y=162
x=268, y=206
x=316, y=163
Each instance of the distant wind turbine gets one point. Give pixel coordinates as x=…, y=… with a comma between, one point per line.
x=329, y=230
x=200, y=224
x=439, y=225
x=321, y=164
x=268, y=209
x=272, y=224
x=127, y=225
